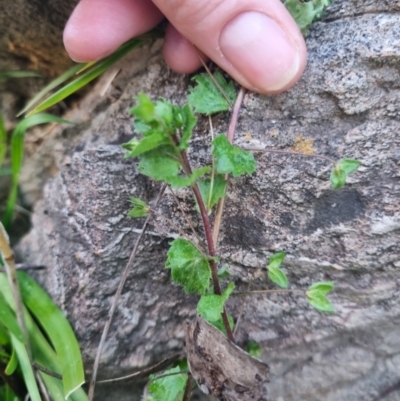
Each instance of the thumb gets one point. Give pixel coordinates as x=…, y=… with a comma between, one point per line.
x=256, y=41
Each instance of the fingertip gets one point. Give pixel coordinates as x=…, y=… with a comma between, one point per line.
x=180, y=54
x=97, y=27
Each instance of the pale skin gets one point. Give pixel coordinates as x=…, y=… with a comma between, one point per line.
x=255, y=41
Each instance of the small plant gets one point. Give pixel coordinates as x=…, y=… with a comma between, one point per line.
x=165, y=131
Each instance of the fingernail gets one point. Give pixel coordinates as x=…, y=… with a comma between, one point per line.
x=260, y=50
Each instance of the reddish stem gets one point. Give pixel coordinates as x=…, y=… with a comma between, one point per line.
x=210, y=242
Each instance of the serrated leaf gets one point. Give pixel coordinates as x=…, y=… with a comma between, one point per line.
x=206, y=97
x=231, y=159
x=168, y=388
x=338, y=177
x=349, y=165
x=144, y=109
x=322, y=287
x=254, y=349
x=278, y=276
x=305, y=12
x=276, y=260
x=320, y=302
x=181, y=181
x=189, y=267
x=140, y=208
x=188, y=121
x=159, y=164
x=211, y=306
x=212, y=191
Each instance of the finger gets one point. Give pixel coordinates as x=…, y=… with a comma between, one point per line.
x=97, y=27
x=256, y=41
x=180, y=54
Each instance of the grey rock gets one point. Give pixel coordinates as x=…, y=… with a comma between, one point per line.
x=348, y=104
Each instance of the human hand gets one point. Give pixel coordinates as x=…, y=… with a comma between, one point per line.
x=255, y=41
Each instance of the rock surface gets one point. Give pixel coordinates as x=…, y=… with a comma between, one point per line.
x=347, y=103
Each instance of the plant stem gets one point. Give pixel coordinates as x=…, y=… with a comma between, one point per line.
x=237, y=294
x=188, y=388
x=230, y=136
x=210, y=243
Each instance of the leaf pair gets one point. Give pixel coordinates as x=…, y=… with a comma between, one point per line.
x=317, y=296
x=341, y=170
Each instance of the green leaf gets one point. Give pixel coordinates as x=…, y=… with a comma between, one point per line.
x=26, y=368
x=12, y=363
x=159, y=164
x=3, y=140
x=17, y=153
x=317, y=296
x=189, y=267
x=140, y=208
x=7, y=317
x=232, y=159
x=212, y=190
x=145, y=108
x=169, y=388
x=322, y=287
x=349, y=165
x=320, y=302
x=53, y=84
x=219, y=324
x=211, y=306
x=90, y=74
x=338, y=177
x=223, y=272
x=58, y=331
x=188, y=120
x=305, y=12
x=146, y=144
x=278, y=276
x=19, y=74
x=254, y=349
x=206, y=97
x=180, y=181
x=276, y=260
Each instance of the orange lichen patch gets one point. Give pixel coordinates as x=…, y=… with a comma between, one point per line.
x=50, y=63
x=303, y=145
x=273, y=133
x=247, y=136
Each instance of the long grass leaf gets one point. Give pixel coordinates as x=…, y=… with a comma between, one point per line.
x=19, y=74
x=17, y=154
x=88, y=76
x=7, y=317
x=57, y=329
x=26, y=368
x=12, y=363
x=52, y=85
x=3, y=140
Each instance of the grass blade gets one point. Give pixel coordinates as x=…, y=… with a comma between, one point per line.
x=58, y=330
x=17, y=154
x=9, y=320
x=3, y=140
x=88, y=76
x=26, y=368
x=19, y=74
x=52, y=85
